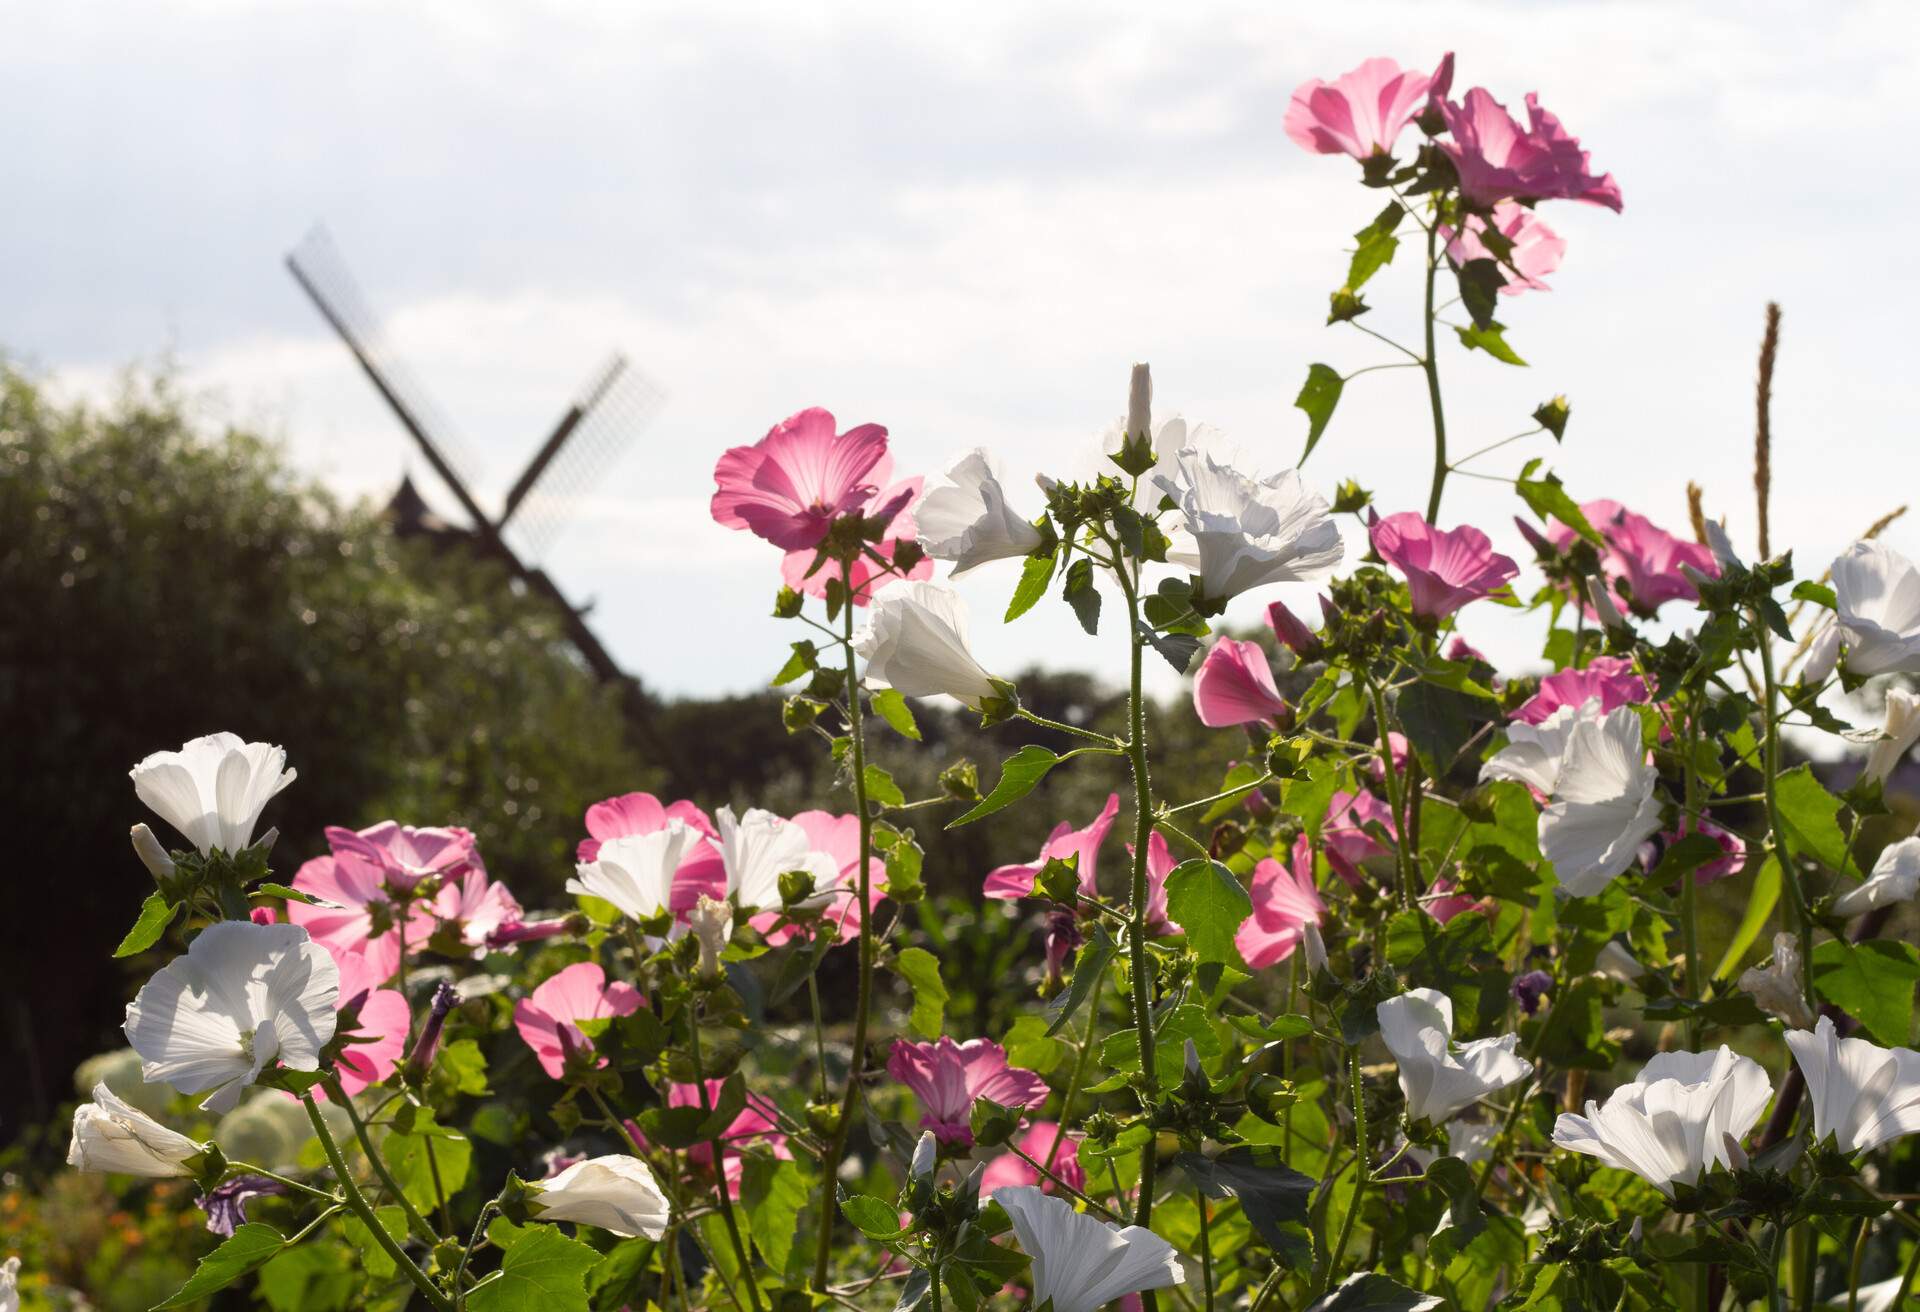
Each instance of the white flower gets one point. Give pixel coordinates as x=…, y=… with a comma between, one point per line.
x=925, y=1154
x=1721, y=545
x=1823, y=653
x=1776, y=989
x=1437, y=1078
x=1603, y=806
x=10, y=1285
x=616, y=1193
x=1862, y=1094
x=635, y=871
x=243, y=997
x=152, y=855
x=213, y=789
x=1895, y=878
x=1897, y=738
x=915, y=641
x=1470, y=1141
x=111, y=1136
x=964, y=516
x=711, y=923
x=1877, y=1297
x=1248, y=533
x=1616, y=963
x=1877, y=602
x=1081, y=1262
x=1139, y=400
x=1672, y=1121
x=760, y=847
x=1534, y=752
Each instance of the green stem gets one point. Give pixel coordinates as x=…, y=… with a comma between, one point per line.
x=719, y=1154
x=357, y=1204
x=1431, y=364
x=819, y=1034
x=248, y=1168
x=837, y=1142
x=1360, y=1175
x=466, y=1254
x=1906, y=1277
x=1080, y=1064
x=1206, y=1249
x=1402, y=870
x=1137, y=932
x=1689, y=925
x=415, y=1222
x=1061, y=726
x=1770, y=774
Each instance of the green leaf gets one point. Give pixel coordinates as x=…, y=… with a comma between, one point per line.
x=1034, y=577
x=891, y=706
x=1120, y=1050
x=1018, y=775
x=805, y=658
x=673, y=1127
x=1088, y=965
x=1817, y=593
x=773, y=1194
x=280, y=891
x=1683, y=858
x=543, y=1271
x=459, y=1068
x=1491, y=340
x=424, y=1150
x=1082, y=595
x=1318, y=397
x=871, y=1216
x=156, y=913
x=1438, y=722
x=1760, y=903
x=372, y=1256
x=921, y=969
x=1374, y=248
x=1480, y=284
x=1205, y=899
x=1370, y=1291
x=1179, y=649
x=1872, y=982
x=1273, y=1195
x=1807, y=812
x=881, y=788
x=247, y=1248
x=1549, y=500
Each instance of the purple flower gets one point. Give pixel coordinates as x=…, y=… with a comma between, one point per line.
x=1530, y=989
x=226, y=1205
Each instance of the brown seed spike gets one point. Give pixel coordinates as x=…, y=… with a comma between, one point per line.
x=1763, y=424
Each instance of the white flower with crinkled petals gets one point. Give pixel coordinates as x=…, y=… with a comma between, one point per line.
x=1081, y=1262
x=758, y=848
x=1675, y=1119
x=1861, y=1093
x=112, y=1136
x=616, y=1193
x=964, y=516
x=1534, y=752
x=635, y=871
x=1438, y=1077
x=915, y=642
x=1247, y=533
x=243, y=997
x=1775, y=988
x=1876, y=594
x=213, y=789
x=1603, y=805
x=1895, y=878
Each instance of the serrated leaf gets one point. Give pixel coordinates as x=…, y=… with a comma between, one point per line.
x=248, y=1248
x=773, y=1193
x=1205, y=900
x=1034, y=577
x=1492, y=340
x=156, y=913
x=871, y=1216
x=1371, y=1292
x=1807, y=814
x=891, y=705
x=1549, y=500
x=1318, y=397
x=1272, y=1194
x=1480, y=284
x=921, y=969
x=1872, y=982
x=543, y=1271
x=1019, y=774
x=407, y=1156
x=1082, y=595
x=881, y=788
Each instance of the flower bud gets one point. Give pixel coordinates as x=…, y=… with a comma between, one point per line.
x=420, y=1061
x=1291, y=631
x=1140, y=402
x=1776, y=988
x=1313, y=947
x=1552, y=416
x=1600, y=597
x=711, y=923
x=1736, y=1155
x=153, y=856
x=926, y=1154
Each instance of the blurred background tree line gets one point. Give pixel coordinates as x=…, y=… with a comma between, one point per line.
x=162, y=580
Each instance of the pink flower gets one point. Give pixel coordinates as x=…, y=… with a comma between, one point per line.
x=1445, y=568
x=1497, y=160
x=756, y=1124
x=1462, y=650
x=1010, y=882
x=793, y=483
x=580, y=992
x=1537, y=248
x=1360, y=113
x=1234, y=685
x=1037, y=1141
x=1160, y=864
x=1397, y=748
x=475, y=908
x=1443, y=904
x=867, y=576
x=947, y=1077
x=384, y=1015
x=1731, y=863
x=364, y=922
x=1292, y=631
x=1609, y=678
x=404, y=854
x=1347, y=844
x=1285, y=902
x=700, y=871
x=1642, y=562
x=839, y=837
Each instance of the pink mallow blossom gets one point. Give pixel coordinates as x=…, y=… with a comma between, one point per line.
x=1008, y=883
x=1731, y=861
x=1344, y=838
x=947, y=1078
x=1285, y=902
x=1037, y=1141
x=1642, y=561
x=546, y=1018
x=1496, y=159
x=1443, y=904
x=701, y=871
x=793, y=483
x=384, y=1018
x=474, y=908
x=868, y=577
x=1234, y=685
x=1537, y=248
x=1360, y=113
x=1444, y=568
x=364, y=921
x=405, y=855
x=1160, y=864
x=756, y=1124
x=1610, y=679
x=839, y=837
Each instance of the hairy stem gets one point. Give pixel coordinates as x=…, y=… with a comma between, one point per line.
x=718, y=1151
x=1431, y=364
x=357, y=1204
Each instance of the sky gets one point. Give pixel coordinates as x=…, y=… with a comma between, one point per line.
x=964, y=223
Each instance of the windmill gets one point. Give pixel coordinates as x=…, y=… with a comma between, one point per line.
x=608, y=412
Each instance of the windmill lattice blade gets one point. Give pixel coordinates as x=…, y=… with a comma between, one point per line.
x=627, y=403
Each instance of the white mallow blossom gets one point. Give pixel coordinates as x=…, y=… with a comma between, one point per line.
x=10, y=1285
x=635, y=871
x=711, y=924
x=1823, y=653
x=758, y=848
x=1534, y=752
x=213, y=789
x=1603, y=805
x=1616, y=963
x=1876, y=594
x=915, y=642
x=1438, y=1077
x=1775, y=988
x=1470, y=1141
x=1881, y=1296
x=1675, y=1119
x=1895, y=878
x=111, y=1136
x=243, y=997
x=1080, y=1262
x=1901, y=731
x=1862, y=1094
x=616, y=1193
x=964, y=517
x=1247, y=532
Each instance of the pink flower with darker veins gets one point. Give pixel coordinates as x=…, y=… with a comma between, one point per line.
x=701, y=871
x=1610, y=679
x=1642, y=562
x=1285, y=902
x=1234, y=685
x=793, y=483
x=1444, y=568
x=546, y=1017
x=1537, y=248
x=384, y=1016
x=1344, y=838
x=1037, y=1141
x=868, y=577
x=404, y=854
x=947, y=1078
x=1496, y=159
x=364, y=921
x=475, y=908
x=1360, y=113
x=1008, y=883
x=1160, y=864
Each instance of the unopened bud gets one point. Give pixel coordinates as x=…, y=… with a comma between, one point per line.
x=1600, y=597
x=1193, y=1059
x=925, y=1154
x=1736, y=1155
x=711, y=923
x=796, y=886
x=153, y=856
x=420, y=1060
x=516, y=931
x=1314, y=947
x=1140, y=402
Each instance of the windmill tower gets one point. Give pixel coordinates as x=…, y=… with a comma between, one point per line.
x=608, y=412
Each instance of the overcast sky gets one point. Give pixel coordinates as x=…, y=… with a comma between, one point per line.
x=963, y=222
